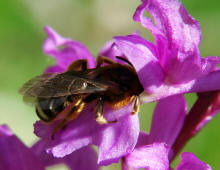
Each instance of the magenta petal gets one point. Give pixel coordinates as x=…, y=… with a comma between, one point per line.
x=142, y=55
x=55, y=69
x=65, y=50
x=84, y=158
x=209, y=82
x=191, y=68
x=143, y=139
x=113, y=140
x=118, y=140
x=145, y=21
x=14, y=154
x=171, y=21
x=177, y=37
x=209, y=64
x=190, y=161
x=154, y=157
x=110, y=50
x=168, y=119
x=77, y=134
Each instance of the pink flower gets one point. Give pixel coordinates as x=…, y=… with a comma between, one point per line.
x=113, y=140
x=15, y=155
x=169, y=68
x=172, y=65
x=155, y=151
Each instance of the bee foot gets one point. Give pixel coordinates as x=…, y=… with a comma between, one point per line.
x=101, y=120
x=134, y=112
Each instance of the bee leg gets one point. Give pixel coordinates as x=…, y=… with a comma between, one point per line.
x=99, y=113
x=136, y=105
x=78, y=65
x=71, y=114
x=101, y=59
x=125, y=60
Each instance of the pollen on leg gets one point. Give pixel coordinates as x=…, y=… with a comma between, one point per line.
x=136, y=105
x=100, y=119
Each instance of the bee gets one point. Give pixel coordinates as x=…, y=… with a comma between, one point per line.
x=64, y=96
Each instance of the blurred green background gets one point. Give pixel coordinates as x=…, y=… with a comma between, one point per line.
x=91, y=22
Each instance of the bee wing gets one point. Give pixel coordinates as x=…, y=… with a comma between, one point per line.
x=57, y=85
x=31, y=101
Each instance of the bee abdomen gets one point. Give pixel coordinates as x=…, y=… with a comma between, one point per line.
x=119, y=101
x=47, y=109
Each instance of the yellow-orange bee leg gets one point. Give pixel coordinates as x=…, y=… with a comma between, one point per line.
x=71, y=114
x=136, y=105
x=99, y=113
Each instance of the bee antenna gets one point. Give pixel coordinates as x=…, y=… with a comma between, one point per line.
x=125, y=60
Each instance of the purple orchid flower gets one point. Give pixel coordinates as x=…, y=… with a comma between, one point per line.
x=113, y=140
x=173, y=64
x=156, y=150
x=35, y=158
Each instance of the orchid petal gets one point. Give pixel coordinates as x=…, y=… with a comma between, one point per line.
x=171, y=21
x=209, y=82
x=65, y=50
x=118, y=140
x=114, y=140
x=110, y=50
x=154, y=157
x=190, y=161
x=143, y=139
x=168, y=119
x=14, y=154
x=80, y=159
x=177, y=37
x=54, y=69
x=187, y=70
